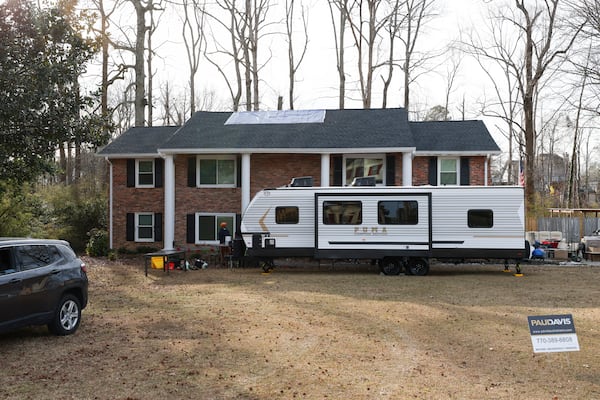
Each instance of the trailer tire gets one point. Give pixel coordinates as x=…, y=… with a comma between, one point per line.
x=418, y=266
x=390, y=266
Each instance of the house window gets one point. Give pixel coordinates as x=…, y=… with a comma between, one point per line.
x=208, y=225
x=449, y=171
x=342, y=212
x=480, y=218
x=144, y=227
x=286, y=215
x=398, y=212
x=213, y=172
x=358, y=167
x=144, y=173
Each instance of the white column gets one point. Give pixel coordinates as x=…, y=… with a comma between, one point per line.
x=169, y=218
x=325, y=169
x=245, y=184
x=407, y=169
x=485, y=170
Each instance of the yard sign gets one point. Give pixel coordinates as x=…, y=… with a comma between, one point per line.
x=553, y=333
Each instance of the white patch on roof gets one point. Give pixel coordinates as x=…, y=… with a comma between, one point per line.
x=276, y=117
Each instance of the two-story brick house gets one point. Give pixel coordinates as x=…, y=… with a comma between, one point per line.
x=172, y=186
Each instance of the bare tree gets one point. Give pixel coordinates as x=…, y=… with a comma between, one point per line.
x=365, y=27
x=293, y=65
x=246, y=27
x=338, y=35
x=194, y=40
x=418, y=13
x=536, y=50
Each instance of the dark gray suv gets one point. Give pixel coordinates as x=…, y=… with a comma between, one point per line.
x=42, y=282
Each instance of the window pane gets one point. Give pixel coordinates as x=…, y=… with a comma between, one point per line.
x=448, y=165
x=207, y=227
x=354, y=168
x=146, y=179
x=145, y=219
x=448, y=178
x=398, y=212
x=145, y=232
x=480, y=218
x=208, y=172
x=31, y=257
x=361, y=167
x=286, y=215
x=342, y=212
x=226, y=172
x=145, y=166
x=374, y=167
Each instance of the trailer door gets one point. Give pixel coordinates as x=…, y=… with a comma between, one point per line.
x=372, y=225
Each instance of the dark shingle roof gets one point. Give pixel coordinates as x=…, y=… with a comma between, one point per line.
x=375, y=129
x=452, y=136
x=138, y=141
x=342, y=129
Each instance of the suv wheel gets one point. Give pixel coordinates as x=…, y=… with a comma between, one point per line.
x=67, y=317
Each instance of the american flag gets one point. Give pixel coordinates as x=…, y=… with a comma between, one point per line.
x=521, y=174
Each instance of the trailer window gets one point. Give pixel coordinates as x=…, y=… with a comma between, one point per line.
x=286, y=215
x=480, y=218
x=342, y=212
x=402, y=212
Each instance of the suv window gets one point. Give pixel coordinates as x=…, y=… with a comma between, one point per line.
x=6, y=262
x=33, y=256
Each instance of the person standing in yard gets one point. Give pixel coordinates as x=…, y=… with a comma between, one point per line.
x=224, y=236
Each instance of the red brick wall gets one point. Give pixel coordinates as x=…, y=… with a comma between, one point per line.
x=268, y=170
x=476, y=171
x=131, y=200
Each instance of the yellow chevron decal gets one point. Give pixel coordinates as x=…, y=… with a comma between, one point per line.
x=261, y=221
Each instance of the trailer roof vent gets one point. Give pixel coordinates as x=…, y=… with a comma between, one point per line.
x=302, y=181
x=364, y=181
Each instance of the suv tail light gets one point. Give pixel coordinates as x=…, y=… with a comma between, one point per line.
x=83, y=267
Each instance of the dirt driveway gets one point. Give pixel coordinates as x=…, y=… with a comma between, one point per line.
x=341, y=332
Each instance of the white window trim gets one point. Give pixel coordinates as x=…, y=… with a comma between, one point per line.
x=137, y=226
x=137, y=173
x=208, y=157
x=439, y=171
x=383, y=171
x=209, y=214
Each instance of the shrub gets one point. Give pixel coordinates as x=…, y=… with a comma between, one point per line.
x=98, y=244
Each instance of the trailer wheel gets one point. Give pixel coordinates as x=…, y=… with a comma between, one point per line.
x=418, y=266
x=390, y=266
x=267, y=265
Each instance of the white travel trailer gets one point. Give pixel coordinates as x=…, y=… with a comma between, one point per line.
x=400, y=227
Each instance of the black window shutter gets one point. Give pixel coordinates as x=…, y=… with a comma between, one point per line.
x=390, y=170
x=465, y=171
x=192, y=172
x=130, y=229
x=159, y=167
x=337, y=170
x=130, y=173
x=191, y=228
x=238, y=163
x=433, y=171
x=158, y=227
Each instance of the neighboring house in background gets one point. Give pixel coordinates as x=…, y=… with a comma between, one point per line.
x=173, y=186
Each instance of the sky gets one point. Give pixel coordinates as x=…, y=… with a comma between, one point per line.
x=317, y=80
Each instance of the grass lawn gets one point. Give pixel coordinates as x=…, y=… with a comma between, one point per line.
x=313, y=332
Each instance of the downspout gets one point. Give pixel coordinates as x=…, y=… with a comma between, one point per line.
x=110, y=203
